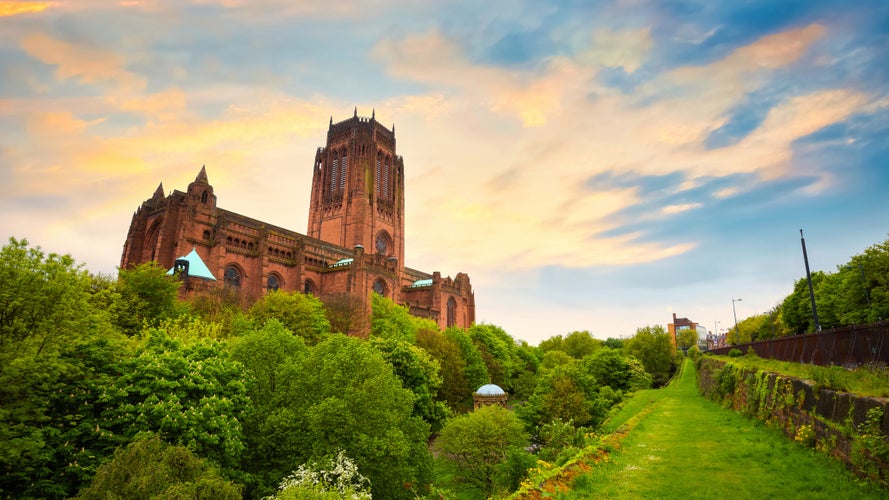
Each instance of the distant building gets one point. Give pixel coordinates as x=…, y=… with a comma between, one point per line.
x=678, y=325
x=489, y=395
x=354, y=242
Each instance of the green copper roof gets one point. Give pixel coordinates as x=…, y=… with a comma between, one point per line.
x=422, y=283
x=342, y=262
x=196, y=266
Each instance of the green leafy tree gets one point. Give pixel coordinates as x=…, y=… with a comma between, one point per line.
x=498, y=351
x=56, y=351
x=300, y=313
x=609, y=367
x=391, y=320
x=344, y=396
x=455, y=389
x=192, y=395
x=477, y=443
x=418, y=373
x=568, y=393
x=580, y=344
x=149, y=468
x=476, y=370
x=651, y=345
x=686, y=338
x=796, y=309
x=554, y=358
x=146, y=295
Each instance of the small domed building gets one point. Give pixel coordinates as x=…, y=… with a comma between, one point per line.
x=488, y=395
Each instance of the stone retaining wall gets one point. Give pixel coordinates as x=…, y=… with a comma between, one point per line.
x=851, y=428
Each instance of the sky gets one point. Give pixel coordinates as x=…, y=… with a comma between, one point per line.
x=592, y=165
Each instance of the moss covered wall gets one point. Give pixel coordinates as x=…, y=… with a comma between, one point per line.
x=851, y=428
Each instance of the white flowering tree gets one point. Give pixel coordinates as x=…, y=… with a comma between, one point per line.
x=334, y=478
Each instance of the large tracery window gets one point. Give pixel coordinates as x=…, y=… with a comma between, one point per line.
x=452, y=312
x=232, y=277
x=273, y=283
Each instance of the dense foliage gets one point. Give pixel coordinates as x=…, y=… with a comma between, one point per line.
x=117, y=388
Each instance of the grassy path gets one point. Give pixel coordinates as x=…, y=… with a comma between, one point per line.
x=690, y=447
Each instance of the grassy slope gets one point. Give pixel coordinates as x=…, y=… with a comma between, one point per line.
x=690, y=447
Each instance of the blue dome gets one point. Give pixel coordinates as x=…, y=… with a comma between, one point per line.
x=490, y=390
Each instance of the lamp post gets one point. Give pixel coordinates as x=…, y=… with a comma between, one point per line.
x=737, y=333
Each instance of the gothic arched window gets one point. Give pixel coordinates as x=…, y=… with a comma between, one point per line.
x=452, y=312
x=386, y=169
x=273, y=283
x=232, y=277
x=378, y=178
x=309, y=287
x=382, y=243
x=204, y=197
x=380, y=287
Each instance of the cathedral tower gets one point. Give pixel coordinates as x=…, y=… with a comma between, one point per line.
x=358, y=189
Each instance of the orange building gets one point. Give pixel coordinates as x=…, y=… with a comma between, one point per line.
x=354, y=242
x=678, y=325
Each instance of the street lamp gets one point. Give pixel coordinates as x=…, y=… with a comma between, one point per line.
x=737, y=333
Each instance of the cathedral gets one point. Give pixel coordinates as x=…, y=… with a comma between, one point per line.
x=354, y=243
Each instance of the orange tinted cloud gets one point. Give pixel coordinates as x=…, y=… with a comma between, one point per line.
x=16, y=8
x=91, y=65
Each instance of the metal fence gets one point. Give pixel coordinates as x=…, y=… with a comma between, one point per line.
x=849, y=346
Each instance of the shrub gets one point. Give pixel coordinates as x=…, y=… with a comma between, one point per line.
x=735, y=353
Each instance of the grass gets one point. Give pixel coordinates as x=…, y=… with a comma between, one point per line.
x=690, y=447
x=864, y=381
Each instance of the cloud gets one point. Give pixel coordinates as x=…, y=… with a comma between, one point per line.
x=88, y=64
x=16, y=8
x=621, y=49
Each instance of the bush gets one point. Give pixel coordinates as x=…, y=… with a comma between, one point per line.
x=735, y=353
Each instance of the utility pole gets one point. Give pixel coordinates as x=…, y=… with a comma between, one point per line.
x=809, y=278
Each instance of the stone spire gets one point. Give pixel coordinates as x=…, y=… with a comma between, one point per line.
x=159, y=192
x=202, y=175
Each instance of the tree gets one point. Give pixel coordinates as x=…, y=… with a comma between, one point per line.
x=418, y=373
x=335, y=478
x=580, y=344
x=149, y=468
x=344, y=396
x=347, y=314
x=146, y=295
x=476, y=370
x=392, y=320
x=478, y=442
x=686, y=338
x=651, y=345
x=57, y=349
x=300, y=313
x=567, y=393
x=192, y=395
x=455, y=389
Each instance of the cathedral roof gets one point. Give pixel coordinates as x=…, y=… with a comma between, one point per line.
x=196, y=266
x=422, y=283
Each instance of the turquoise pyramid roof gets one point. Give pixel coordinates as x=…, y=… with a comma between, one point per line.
x=196, y=266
